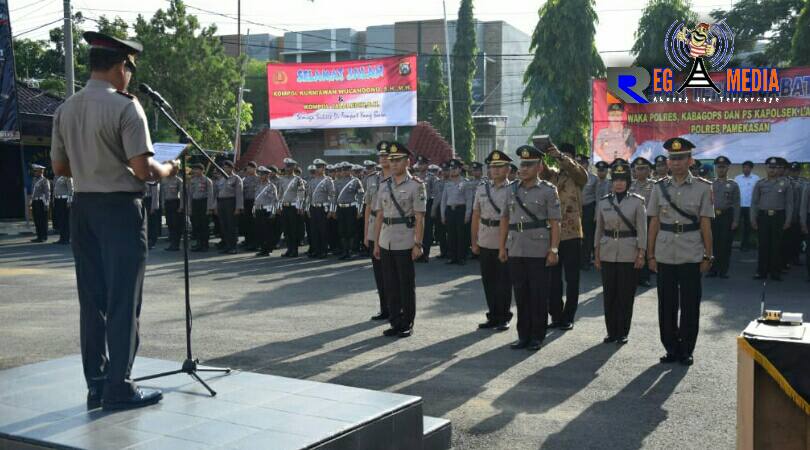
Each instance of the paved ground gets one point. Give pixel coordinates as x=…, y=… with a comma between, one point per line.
x=308, y=319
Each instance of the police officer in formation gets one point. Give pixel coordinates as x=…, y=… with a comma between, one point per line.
x=456, y=210
x=529, y=242
x=171, y=189
x=792, y=239
x=40, y=199
x=588, y=212
x=230, y=202
x=348, y=198
x=247, y=226
x=603, y=184
x=680, y=249
x=265, y=206
x=427, y=173
x=488, y=207
x=620, y=246
x=643, y=186
x=321, y=202
x=399, y=225
x=201, y=198
x=661, y=167
x=62, y=198
x=439, y=228
x=151, y=201
x=771, y=213
x=293, y=194
x=726, y=217
x=372, y=188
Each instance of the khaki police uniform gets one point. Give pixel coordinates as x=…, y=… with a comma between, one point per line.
x=455, y=206
x=229, y=194
x=346, y=204
x=247, y=221
x=40, y=201
x=265, y=206
x=293, y=194
x=151, y=202
x=430, y=188
x=320, y=201
x=201, y=198
x=726, y=214
x=771, y=211
x=171, y=189
x=490, y=202
x=373, y=183
x=62, y=198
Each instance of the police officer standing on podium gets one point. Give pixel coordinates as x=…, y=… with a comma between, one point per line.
x=771, y=213
x=726, y=217
x=101, y=137
x=401, y=205
x=680, y=249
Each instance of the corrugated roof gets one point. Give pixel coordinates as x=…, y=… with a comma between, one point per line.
x=268, y=148
x=427, y=142
x=36, y=101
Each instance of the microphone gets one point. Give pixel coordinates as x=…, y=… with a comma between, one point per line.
x=154, y=95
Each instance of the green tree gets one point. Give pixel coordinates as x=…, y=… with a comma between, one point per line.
x=650, y=35
x=800, y=51
x=116, y=27
x=558, y=78
x=188, y=65
x=256, y=84
x=769, y=22
x=29, y=57
x=434, y=106
x=464, y=55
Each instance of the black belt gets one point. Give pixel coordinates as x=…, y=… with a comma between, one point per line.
x=454, y=207
x=679, y=227
x=616, y=234
x=491, y=222
x=528, y=226
x=721, y=211
x=770, y=212
x=396, y=220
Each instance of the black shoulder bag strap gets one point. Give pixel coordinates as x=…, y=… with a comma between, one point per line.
x=678, y=210
x=409, y=221
x=621, y=215
x=522, y=205
x=489, y=197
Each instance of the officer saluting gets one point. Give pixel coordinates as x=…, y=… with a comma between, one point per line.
x=401, y=205
x=727, y=216
x=680, y=249
x=101, y=137
x=529, y=241
x=771, y=213
x=488, y=206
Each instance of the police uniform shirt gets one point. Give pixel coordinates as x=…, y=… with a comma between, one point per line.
x=370, y=200
x=438, y=192
x=63, y=188
x=42, y=190
x=544, y=202
x=772, y=195
x=726, y=196
x=589, y=190
x=804, y=208
x=321, y=192
x=266, y=197
x=171, y=188
x=292, y=190
x=202, y=187
x=693, y=196
x=348, y=190
x=798, y=187
x=489, y=235
x=643, y=188
x=621, y=249
x=153, y=192
x=249, y=185
x=430, y=185
x=455, y=194
x=603, y=187
x=97, y=153
x=412, y=198
x=231, y=187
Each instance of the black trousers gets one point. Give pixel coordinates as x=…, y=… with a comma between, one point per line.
x=289, y=224
x=174, y=222
x=379, y=281
x=570, y=254
x=497, y=286
x=359, y=237
x=530, y=280
x=791, y=244
x=226, y=212
x=153, y=222
x=199, y=221
x=427, y=238
x=318, y=231
x=619, y=281
x=588, y=229
x=457, y=240
x=263, y=230
x=722, y=238
x=247, y=223
x=332, y=236
x=109, y=250
x=61, y=218
x=745, y=229
x=440, y=235
x=347, y=228
x=769, y=233
x=399, y=280
x=679, y=293
x=275, y=231
x=40, y=213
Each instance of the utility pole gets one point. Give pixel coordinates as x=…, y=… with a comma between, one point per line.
x=68, y=44
x=449, y=79
x=237, y=139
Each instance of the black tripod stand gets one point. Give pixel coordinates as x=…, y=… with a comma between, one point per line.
x=190, y=365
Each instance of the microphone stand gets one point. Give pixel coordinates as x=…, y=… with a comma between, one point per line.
x=190, y=365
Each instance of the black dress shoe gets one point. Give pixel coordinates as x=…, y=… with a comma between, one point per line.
x=487, y=324
x=609, y=339
x=380, y=316
x=534, y=345
x=262, y=253
x=622, y=340
x=668, y=359
x=519, y=344
x=567, y=326
x=759, y=276
x=687, y=361
x=407, y=332
x=503, y=326
x=391, y=332
x=140, y=398
x=94, y=397
x=286, y=255
x=37, y=240
x=553, y=325
x=231, y=251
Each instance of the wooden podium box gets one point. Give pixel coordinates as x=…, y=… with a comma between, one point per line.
x=767, y=417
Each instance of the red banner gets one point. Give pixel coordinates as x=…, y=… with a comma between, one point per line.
x=346, y=94
x=740, y=127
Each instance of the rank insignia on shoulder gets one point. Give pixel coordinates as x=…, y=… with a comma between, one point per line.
x=126, y=94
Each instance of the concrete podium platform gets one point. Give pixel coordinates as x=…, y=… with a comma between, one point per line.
x=43, y=406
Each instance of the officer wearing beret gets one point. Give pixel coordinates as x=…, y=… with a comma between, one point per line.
x=401, y=205
x=171, y=204
x=621, y=243
x=201, y=199
x=40, y=199
x=603, y=185
x=529, y=242
x=643, y=186
x=230, y=202
x=372, y=189
x=771, y=212
x=320, y=202
x=265, y=206
x=726, y=217
x=488, y=206
x=247, y=222
x=680, y=249
x=101, y=138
